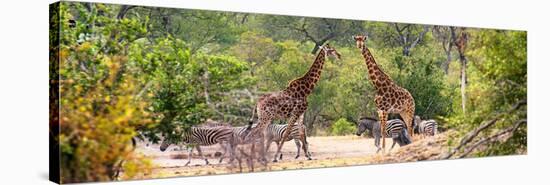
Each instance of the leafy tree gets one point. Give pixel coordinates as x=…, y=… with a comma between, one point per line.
x=498, y=80
x=99, y=112
x=316, y=30
x=127, y=71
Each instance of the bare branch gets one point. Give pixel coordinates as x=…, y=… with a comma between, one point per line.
x=506, y=131
x=419, y=38
x=470, y=136
x=123, y=10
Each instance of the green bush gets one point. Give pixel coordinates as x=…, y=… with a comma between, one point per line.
x=342, y=127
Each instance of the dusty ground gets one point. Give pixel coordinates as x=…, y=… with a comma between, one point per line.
x=326, y=152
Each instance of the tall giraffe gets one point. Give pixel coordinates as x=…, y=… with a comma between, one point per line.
x=390, y=98
x=291, y=102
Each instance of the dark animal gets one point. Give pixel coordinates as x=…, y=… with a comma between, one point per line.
x=395, y=129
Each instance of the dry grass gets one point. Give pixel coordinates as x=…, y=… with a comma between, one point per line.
x=327, y=152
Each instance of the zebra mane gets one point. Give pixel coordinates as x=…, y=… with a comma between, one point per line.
x=368, y=118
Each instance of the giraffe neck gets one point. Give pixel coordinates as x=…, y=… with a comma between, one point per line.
x=303, y=86
x=378, y=78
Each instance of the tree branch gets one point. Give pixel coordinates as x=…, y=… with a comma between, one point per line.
x=506, y=131
x=420, y=37
x=123, y=10
x=470, y=136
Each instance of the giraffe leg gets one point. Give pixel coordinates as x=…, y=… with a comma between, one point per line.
x=408, y=118
x=252, y=154
x=268, y=145
x=263, y=149
x=257, y=136
x=383, y=116
x=277, y=152
x=377, y=141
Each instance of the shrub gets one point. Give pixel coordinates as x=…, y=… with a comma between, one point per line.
x=342, y=127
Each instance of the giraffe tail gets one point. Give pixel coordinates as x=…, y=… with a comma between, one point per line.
x=405, y=138
x=251, y=121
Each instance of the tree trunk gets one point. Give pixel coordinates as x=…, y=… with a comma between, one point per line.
x=463, y=81
x=443, y=35
x=206, y=84
x=461, y=43
x=445, y=65
x=406, y=51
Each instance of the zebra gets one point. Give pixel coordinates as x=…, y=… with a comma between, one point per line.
x=395, y=128
x=203, y=136
x=274, y=133
x=425, y=127
x=239, y=134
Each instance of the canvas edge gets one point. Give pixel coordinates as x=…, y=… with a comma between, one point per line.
x=54, y=32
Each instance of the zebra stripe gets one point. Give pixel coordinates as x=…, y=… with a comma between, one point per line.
x=395, y=128
x=208, y=136
x=428, y=127
x=275, y=132
x=203, y=136
x=239, y=135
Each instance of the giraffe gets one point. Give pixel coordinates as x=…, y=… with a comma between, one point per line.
x=390, y=98
x=290, y=103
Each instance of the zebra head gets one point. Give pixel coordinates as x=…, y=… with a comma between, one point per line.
x=166, y=142
x=169, y=139
x=365, y=124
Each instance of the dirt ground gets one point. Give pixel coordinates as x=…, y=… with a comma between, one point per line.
x=326, y=152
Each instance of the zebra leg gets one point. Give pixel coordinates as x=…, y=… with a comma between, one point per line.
x=297, y=141
x=224, y=148
x=306, y=149
x=189, y=156
x=228, y=147
x=231, y=149
x=305, y=145
x=394, y=139
x=290, y=124
x=116, y=174
x=200, y=154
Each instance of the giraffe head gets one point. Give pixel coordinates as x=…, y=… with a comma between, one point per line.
x=330, y=51
x=360, y=40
